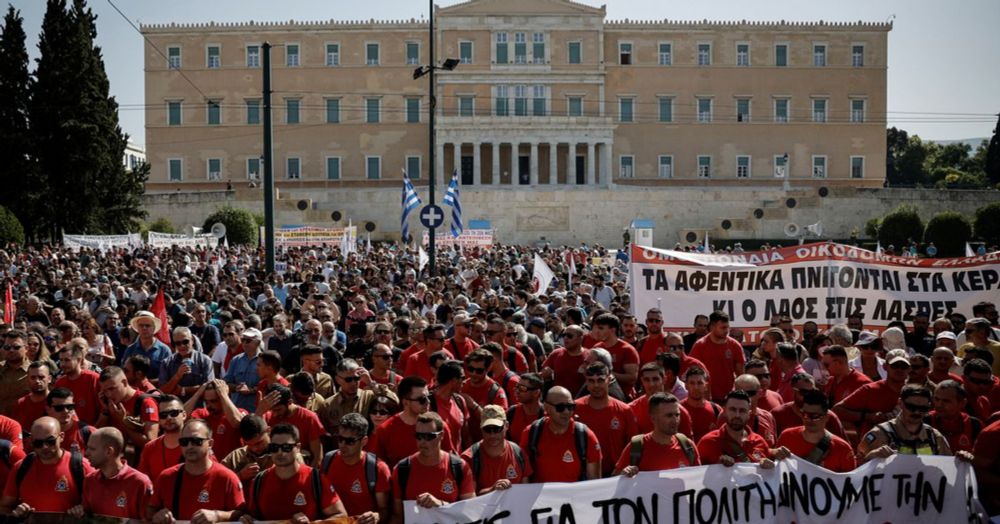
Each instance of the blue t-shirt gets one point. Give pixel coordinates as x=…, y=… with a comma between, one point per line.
x=157, y=354
x=243, y=370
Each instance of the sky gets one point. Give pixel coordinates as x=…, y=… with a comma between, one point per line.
x=942, y=83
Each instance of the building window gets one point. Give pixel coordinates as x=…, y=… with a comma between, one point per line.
x=575, y=53
x=413, y=167
x=373, y=167
x=292, y=111
x=857, y=167
x=780, y=166
x=502, y=49
x=520, y=48
x=743, y=55
x=781, y=110
x=332, y=55
x=704, y=166
x=292, y=55
x=626, y=109
x=666, y=166
x=253, y=168
x=781, y=55
x=626, y=166
x=625, y=53
x=520, y=100
x=857, y=55
x=857, y=110
x=538, y=101
x=412, y=110
x=502, y=102
x=465, y=52
x=373, y=110
x=742, y=109
x=466, y=106
x=742, y=166
x=412, y=53
x=253, y=55
x=666, y=109
x=175, y=169
x=819, y=110
x=293, y=168
x=704, y=109
x=333, y=168
x=371, y=54
x=819, y=55
x=214, y=112
x=704, y=54
x=819, y=166
x=214, y=58
x=215, y=169
x=174, y=57
x=173, y=113
x=332, y=110
x=575, y=104
x=666, y=54
x=538, y=48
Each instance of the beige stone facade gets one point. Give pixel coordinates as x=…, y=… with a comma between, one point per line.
x=549, y=93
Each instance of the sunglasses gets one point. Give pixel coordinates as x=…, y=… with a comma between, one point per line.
x=525, y=389
x=563, y=407
x=382, y=412
x=916, y=408
x=284, y=448
x=427, y=436
x=493, y=430
x=812, y=416
x=64, y=407
x=751, y=392
x=349, y=379
x=43, y=442
x=514, y=334
x=979, y=381
x=191, y=441
x=490, y=332
x=422, y=400
x=674, y=347
x=761, y=375
x=182, y=342
x=654, y=321
x=386, y=356
x=11, y=347
x=348, y=441
x=477, y=371
x=170, y=413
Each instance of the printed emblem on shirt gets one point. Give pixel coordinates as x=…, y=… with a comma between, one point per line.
x=300, y=499
x=62, y=485
x=729, y=354
x=567, y=457
x=203, y=497
x=615, y=423
x=355, y=486
x=447, y=487
x=121, y=500
x=963, y=440
x=511, y=472
x=221, y=430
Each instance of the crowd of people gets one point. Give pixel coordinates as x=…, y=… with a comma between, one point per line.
x=348, y=385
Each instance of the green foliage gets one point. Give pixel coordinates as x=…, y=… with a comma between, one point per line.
x=987, y=223
x=241, y=228
x=949, y=231
x=991, y=158
x=871, y=227
x=900, y=226
x=161, y=225
x=10, y=228
x=913, y=162
x=16, y=168
x=259, y=219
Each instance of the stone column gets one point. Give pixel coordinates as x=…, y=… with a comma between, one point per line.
x=553, y=162
x=495, y=175
x=571, y=164
x=515, y=164
x=607, y=176
x=477, y=176
x=591, y=165
x=534, y=163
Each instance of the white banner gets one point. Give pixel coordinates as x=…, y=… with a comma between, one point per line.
x=102, y=242
x=822, y=282
x=309, y=236
x=902, y=489
x=167, y=240
x=469, y=238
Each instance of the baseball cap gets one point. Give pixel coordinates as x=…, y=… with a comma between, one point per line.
x=252, y=333
x=865, y=338
x=493, y=415
x=945, y=335
x=897, y=355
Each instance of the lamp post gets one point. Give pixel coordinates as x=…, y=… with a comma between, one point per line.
x=268, y=160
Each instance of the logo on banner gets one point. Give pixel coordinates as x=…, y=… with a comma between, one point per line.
x=355, y=486
x=447, y=487
x=62, y=485
x=203, y=496
x=536, y=285
x=568, y=457
x=511, y=472
x=121, y=500
x=300, y=499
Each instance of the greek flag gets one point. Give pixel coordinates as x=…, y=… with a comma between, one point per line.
x=451, y=199
x=411, y=201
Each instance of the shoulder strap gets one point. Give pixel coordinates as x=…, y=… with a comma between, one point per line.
x=635, y=450
x=317, y=484
x=977, y=426
x=511, y=413
x=175, y=507
x=5, y=446
x=137, y=407
x=580, y=437
x=403, y=469
x=22, y=470
x=85, y=431
x=492, y=395
x=686, y=447
x=392, y=378
x=328, y=459
x=455, y=464
x=507, y=377
x=476, y=465
x=820, y=450
x=371, y=472
x=933, y=438
x=716, y=410
x=76, y=470
x=886, y=428
x=518, y=455
x=534, y=435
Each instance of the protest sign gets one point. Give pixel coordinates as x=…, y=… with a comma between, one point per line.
x=925, y=489
x=158, y=240
x=102, y=242
x=468, y=239
x=308, y=236
x=822, y=282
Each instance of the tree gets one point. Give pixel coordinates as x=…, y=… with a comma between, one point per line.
x=896, y=142
x=241, y=228
x=992, y=166
x=161, y=225
x=10, y=228
x=987, y=223
x=900, y=226
x=16, y=173
x=949, y=231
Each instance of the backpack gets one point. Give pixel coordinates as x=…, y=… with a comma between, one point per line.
x=314, y=476
x=75, y=469
x=579, y=438
x=85, y=431
x=898, y=442
x=477, y=462
x=505, y=380
x=5, y=446
x=492, y=394
x=371, y=468
x=454, y=465
x=455, y=397
x=635, y=451
x=137, y=407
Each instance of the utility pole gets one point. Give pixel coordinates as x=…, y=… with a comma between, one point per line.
x=432, y=236
x=268, y=161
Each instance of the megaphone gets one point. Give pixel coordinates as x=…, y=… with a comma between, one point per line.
x=219, y=230
x=815, y=229
x=792, y=229
x=193, y=231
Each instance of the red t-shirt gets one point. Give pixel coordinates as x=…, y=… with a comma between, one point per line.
x=874, y=397
x=785, y=417
x=839, y=390
x=711, y=447
x=589, y=341
x=419, y=364
x=49, y=488
x=85, y=389
x=149, y=412
x=651, y=346
x=307, y=422
x=519, y=360
x=508, y=381
x=958, y=431
x=394, y=440
x=566, y=369
x=640, y=409
x=492, y=469
x=460, y=349
x=216, y=489
x=521, y=420
x=436, y=480
x=987, y=447
x=407, y=353
x=722, y=361
x=769, y=400
x=157, y=457
x=124, y=496
x=557, y=459
x=761, y=423
x=704, y=417
x=225, y=436
x=687, y=362
x=10, y=429
x=622, y=354
x=614, y=425
x=279, y=499
x=16, y=454
x=839, y=459
x=351, y=483
x=481, y=393
x=390, y=379
x=656, y=456
x=27, y=411
x=454, y=416
x=266, y=383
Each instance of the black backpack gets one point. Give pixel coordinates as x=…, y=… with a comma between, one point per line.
x=371, y=468
x=5, y=446
x=75, y=469
x=314, y=475
x=579, y=438
x=635, y=450
x=454, y=464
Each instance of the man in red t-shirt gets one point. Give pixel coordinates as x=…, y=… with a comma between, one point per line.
x=460, y=344
x=987, y=466
x=286, y=490
x=221, y=414
x=624, y=357
x=483, y=389
x=662, y=448
x=120, y=401
x=651, y=375
x=654, y=343
x=447, y=401
x=431, y=477
x=393, y=440
x=496, y=462
x=50, y=485
x=875, y=402
x=562, y=366
x=789, y=414
x=419, y=363
x=812, y=441
x=32, y=405
x=704, y=413
x=552, y=443
x=768, y=398
x=208, y=491
x=529, y=405
x=361, y=479
x=844, y=379
x=611, y=420
x=734, y=441
x=115, y=489
x=84, y=383
x=760, y=422
x=277, y=408
x=949, y=417
x=942, y=360
x=164, y=451
x=722, y=354
x=675, y=345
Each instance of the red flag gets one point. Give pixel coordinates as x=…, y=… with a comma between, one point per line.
x=159, y=309
x=8, y=305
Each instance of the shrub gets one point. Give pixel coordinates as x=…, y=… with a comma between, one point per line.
x=900, y=226
x=11, y=230
x=987, y=224
x=161, y=225
x=241, y=228
x=949, y=231
x=871, y=227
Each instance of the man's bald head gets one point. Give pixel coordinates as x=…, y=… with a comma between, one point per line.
x=557, y=395
x=45, y=427
x=109, y=437
x=747, y=382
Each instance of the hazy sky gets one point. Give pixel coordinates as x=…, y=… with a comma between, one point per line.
x=944, y=70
